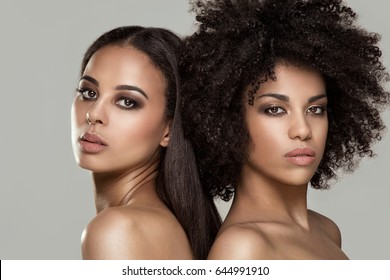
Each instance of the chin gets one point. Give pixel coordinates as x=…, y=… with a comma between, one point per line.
x=297, y=183
x=96, y=169
x=297, y=178
x=86, y=166
x=91, y=164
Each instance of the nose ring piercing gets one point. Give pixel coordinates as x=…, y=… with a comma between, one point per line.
x=89, y=121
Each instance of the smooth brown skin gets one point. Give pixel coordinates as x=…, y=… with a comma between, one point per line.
x=132, y=222
x=269, y=218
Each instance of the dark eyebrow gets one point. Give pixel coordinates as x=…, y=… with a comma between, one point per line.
x=132, y=88
x=275, y=95
x=120, y=87
x=90, y=79
x=287, y=99
x=317, y=97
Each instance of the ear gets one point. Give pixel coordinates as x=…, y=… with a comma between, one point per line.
x=165, y=139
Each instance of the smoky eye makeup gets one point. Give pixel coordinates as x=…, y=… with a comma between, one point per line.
x=128, y=101
x=317, y=109
x=318, y=105
x=86, y=92
x=133, y=89
x=271, y=109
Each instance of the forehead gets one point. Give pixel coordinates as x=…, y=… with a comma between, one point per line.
x=294, y=80
x=124, y=65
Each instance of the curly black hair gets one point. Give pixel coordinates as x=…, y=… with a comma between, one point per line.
x=238, y=41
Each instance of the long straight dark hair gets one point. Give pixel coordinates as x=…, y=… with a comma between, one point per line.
x=178, y=183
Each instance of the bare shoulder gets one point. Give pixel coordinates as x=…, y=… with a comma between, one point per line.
x=241, y=242
x=134, y=233
x=328, y=226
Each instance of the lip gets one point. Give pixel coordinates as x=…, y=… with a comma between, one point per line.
x=92, y=143
x=301, y=156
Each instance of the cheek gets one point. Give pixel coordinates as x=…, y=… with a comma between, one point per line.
x=320, y=132
x=266, y=138
x=77, y=122
x=325, y=133
x=139, y=129
x=78, y=113
x=324, y=136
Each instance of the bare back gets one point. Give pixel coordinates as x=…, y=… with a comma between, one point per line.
x=135, y=232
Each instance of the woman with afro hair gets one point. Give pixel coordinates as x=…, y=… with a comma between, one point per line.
x=278, y=95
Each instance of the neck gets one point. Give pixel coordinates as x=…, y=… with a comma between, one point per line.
x=119, y=188
x=271, y=200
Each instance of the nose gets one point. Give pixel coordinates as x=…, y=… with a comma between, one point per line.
x=299, y=127
x=97, y=113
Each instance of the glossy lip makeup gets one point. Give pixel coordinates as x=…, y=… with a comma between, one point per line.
x=301, y=156
x=91, y=143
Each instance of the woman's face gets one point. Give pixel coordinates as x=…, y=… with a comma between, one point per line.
x=288, y=126
x=123, y=95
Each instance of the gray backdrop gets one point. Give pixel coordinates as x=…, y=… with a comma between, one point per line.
x=46, y=200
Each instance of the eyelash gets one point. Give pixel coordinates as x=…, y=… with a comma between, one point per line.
x=321, y=107
x=133, y=104
x=85, y=97
x=82, y=91
x=269, y=112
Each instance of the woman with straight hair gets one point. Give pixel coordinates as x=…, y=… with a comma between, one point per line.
x=126, y=129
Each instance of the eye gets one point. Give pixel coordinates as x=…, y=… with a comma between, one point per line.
x=87, y=94
x=127, y=103
x=274, y=110
x=316, y=109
